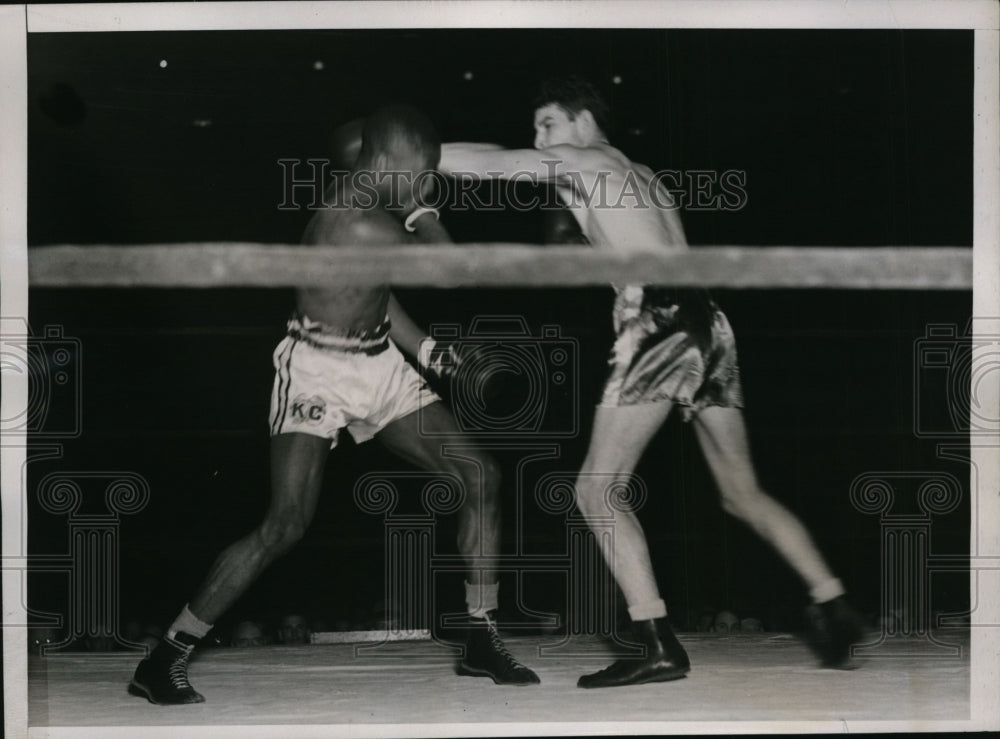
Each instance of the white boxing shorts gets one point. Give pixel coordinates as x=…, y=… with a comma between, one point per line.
x=328, y=379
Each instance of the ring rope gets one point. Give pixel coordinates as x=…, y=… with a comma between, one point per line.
x=492, y=265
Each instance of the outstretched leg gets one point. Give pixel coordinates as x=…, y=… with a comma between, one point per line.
x=619, y=437
x=478, y=530
x=297, y=462
x=722, y=435
x=723, y=438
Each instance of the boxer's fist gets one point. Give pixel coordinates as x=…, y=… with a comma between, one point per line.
x=469, y=375
x=439, y=359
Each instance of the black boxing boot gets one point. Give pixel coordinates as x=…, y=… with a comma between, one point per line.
x=162, y=677
x=486, y=656
x=664, y=659
x=833, y=627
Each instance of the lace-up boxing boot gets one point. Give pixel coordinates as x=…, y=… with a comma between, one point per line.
x=486, y=656
x=162, y=677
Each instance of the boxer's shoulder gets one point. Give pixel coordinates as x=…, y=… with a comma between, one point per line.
x=355, y=227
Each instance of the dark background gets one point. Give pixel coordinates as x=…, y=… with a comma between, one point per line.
x=847, y=138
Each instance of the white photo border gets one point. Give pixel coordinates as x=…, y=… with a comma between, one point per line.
x=981, y=16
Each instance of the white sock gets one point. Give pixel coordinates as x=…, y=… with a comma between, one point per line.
x=828, y=590
x=481, y=598
x=189, y=624
x=648, y=611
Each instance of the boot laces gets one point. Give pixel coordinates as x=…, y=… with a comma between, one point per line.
x=177, y=672
x=498, y=646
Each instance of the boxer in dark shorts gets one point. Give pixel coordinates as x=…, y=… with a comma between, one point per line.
x=671, y=345
x=672, y=348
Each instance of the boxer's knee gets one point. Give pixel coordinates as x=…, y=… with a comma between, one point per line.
x=481, y=479
x=743, y=499
x=590, y=497
x=282, y=530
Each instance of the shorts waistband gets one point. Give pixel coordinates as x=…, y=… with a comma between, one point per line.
x=322, y=336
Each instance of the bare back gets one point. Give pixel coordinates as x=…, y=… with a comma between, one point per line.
x=619, y=204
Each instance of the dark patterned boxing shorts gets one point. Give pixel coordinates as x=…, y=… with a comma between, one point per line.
x=671, y=345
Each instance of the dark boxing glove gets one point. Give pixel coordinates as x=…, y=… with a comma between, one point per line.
x=561, y=227
x=438, y=359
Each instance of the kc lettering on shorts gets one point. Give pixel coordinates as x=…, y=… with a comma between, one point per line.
x=308, y=409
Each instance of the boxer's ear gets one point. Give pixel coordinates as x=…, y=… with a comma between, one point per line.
x=585, y=124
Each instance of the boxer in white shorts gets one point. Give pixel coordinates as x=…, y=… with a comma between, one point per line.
x=339, y=369
x=327, y=380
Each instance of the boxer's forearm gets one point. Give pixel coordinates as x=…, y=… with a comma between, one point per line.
x=491, y=161
x=470, y=159
x=487, y=160
x=404, y=332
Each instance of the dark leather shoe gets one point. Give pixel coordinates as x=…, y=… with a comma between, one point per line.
x=833, y=628
x=665, y=659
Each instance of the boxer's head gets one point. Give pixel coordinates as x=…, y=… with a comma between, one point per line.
x=399, y=138
x=398, y=146
x=570, y=110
